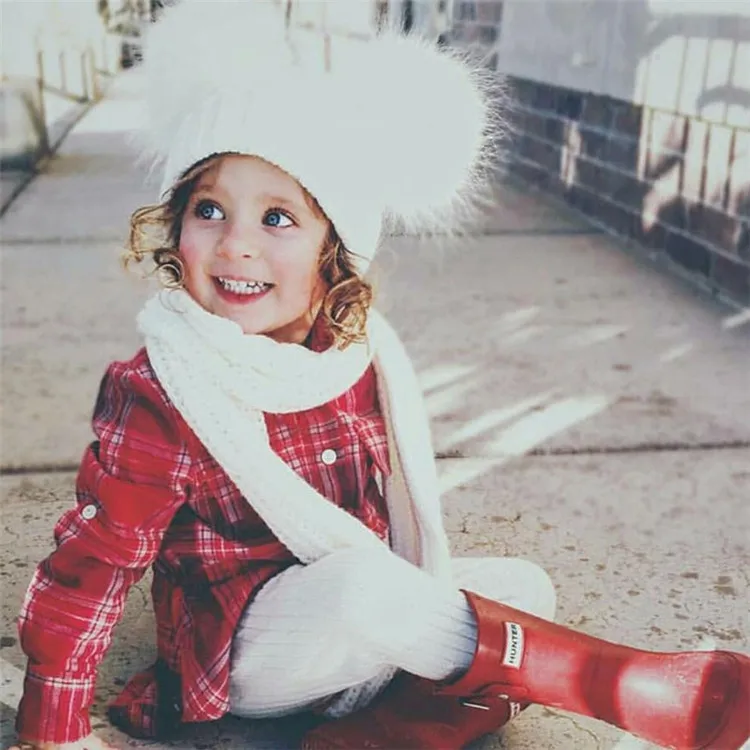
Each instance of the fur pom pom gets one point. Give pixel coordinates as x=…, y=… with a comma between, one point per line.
x=201, y=51
x=433, y=129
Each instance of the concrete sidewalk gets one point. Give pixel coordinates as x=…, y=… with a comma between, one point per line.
x=590, y=414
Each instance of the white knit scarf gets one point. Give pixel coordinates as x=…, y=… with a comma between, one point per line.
x=222, y=381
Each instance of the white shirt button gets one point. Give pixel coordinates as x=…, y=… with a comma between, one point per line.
x=328, y=456
x=88, y=512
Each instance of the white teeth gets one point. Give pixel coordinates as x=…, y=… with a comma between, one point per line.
x=243, y=287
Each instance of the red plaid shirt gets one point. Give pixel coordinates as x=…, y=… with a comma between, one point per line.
x=148, y=493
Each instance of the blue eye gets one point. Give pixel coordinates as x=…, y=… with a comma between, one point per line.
x=275, y=217
x=208, y=211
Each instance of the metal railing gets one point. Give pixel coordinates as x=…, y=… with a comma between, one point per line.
x=46, y=74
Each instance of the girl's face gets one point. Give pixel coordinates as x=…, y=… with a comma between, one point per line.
x=250, y=243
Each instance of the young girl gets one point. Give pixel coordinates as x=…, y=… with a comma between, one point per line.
x=267, y=452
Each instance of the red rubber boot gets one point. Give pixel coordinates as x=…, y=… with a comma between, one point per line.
x=687, y=701
x=408, y=715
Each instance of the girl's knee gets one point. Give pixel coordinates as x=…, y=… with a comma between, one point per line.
x=518, y=583
x=543, y=603
x=536, y=594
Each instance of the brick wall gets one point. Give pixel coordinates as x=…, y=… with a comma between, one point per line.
x=676, y=184
x=671, y=181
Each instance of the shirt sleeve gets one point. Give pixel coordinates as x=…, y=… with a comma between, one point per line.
x=131, y=482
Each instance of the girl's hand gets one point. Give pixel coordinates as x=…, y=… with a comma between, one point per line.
x=87, y=743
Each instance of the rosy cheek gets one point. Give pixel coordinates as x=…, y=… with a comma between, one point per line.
x=191, y=250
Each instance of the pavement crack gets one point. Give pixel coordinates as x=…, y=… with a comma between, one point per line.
x=63, y=467
x=645, y=447
x=597, y=450
x=91, y=239
x=576, y=725
x=7, y=530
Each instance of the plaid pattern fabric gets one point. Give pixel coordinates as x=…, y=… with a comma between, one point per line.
x=149, y=494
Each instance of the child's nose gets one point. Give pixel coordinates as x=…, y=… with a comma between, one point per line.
x=239, y=243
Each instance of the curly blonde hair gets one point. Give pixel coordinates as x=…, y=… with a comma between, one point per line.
x=155, y=237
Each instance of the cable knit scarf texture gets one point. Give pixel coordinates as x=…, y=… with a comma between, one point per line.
x=222, y=381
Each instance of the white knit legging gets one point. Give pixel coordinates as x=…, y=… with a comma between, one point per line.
x=315, y=630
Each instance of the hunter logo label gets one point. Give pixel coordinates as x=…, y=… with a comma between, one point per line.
x=513, y=645
x=515, y=709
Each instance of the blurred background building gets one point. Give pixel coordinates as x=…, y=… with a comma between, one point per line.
x=637, y=112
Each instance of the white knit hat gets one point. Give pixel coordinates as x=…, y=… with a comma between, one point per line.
x=395, y=130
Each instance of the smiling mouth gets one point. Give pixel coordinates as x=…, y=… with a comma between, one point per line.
x=237, y=286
